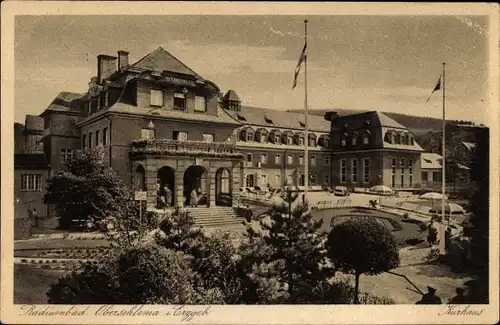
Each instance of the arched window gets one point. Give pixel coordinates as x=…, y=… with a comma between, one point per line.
x=224, y=181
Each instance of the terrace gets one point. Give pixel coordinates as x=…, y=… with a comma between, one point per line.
x=185, y=148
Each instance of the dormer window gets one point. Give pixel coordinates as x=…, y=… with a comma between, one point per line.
x=301, y=141
x=277, y=139
x=249, y=136
x=327, y=143
x=289, y=140
x=179, y=101
x=412, y=141
x=234, y=105
x=394, y=138
x=366, y=139
x=156, y=97
x=312, y=141
x=354, y=140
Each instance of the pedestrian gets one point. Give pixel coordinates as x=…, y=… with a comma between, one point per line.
x=459, y=298
x=430, y=298
x=194, y=198
x=34, y=214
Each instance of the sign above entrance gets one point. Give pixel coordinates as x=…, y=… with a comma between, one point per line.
x=179, y=82
x=140, y=195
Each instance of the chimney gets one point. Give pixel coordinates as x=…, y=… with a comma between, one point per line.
x=330, y=116
x=122, y=60
x=106, y=66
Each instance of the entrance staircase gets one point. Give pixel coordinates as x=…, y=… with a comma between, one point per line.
x=215, y=217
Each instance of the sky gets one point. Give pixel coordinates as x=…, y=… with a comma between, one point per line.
x=386, y=63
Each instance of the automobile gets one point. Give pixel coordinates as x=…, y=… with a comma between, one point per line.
x=341, y=191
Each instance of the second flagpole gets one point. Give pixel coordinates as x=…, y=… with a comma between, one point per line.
x=306, y=113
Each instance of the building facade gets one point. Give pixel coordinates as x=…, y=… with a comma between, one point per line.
x=161, y=125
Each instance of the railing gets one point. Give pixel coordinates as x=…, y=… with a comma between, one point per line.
x=185, y=148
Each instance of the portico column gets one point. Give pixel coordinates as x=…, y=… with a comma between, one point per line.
x=234, y=183
x=211, y=185
x=179, y=188
x=151, y=179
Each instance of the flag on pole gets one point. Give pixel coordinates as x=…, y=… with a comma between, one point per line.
x=297, y=69
x=438, y=86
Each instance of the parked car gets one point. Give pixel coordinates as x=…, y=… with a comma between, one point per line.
x=341, y=191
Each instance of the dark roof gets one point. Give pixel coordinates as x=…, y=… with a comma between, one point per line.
x=30, y=161
x=66, y=102
x=34, y=123
x=162, y=60
x=232, y=96
x=280, y=119
x=377, y=119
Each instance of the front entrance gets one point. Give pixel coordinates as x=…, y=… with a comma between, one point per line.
x=196, y=186
x=165, y=186
x=223, y=187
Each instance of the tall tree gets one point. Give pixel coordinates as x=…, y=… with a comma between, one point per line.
x=362, y=246
x=86, y=189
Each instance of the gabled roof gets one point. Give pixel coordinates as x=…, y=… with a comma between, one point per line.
x=30, y=161
x=162, y=60
x=431, y=160
x=280, y=118
x=232, y=96
x=34, y=123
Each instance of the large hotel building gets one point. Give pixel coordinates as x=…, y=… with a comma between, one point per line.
x=159, y=122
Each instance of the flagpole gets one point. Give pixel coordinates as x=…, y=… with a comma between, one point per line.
x=306, y=113
x=443, y=185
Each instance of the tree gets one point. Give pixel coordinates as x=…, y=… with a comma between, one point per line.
x=362, y=246
x=86, y=190
x=142, y=275
x=286, y=259
x=479, y=229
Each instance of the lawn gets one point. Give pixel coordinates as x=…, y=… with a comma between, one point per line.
x=31, y=284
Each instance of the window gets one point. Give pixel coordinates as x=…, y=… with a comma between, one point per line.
x=263, y=137
x=289, y=140
x=312, y=142
x=425, y=176
x=327, y=180
x=277, y=139
x=46, y=122
x=31, y=182
x=66, y=154
x=301, y=160
x=411, y=140
x=208, y=137
x=313, y=160
x=436, y=176
x=105, y=136
x=180, y=136
x=354, y=165
x=327, y=160
x=393, y=181
x=277, y=159
x=366, y=170
x=277, y=180
x=200, y=104
x=393, y=137
x=289, y=159
x=301, y=141
x=343, y=170
x=249, y=136
x=156, y=97
x=90, y=140
x=97, y=139
x=84, y=141
x=402, y=172
x=343, y=142
x=263, y=158
x=366, y=140
x=249, y=157
x=179, y=101
x=249, y=180
x=354, y=140
x=410, y=172
x=148, y=133
x=327, y=143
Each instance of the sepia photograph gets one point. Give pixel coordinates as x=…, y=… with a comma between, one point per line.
x=237, y=158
